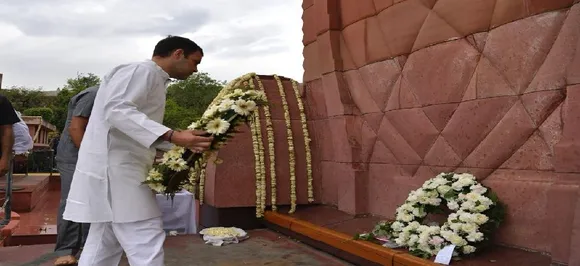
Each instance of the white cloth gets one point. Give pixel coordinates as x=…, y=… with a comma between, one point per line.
x=22, y=139
x=119, y=146
x=142, y=242
x=179, y=215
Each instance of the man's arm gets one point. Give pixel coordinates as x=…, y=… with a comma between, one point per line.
x=76, y=130
x=7, y=140
x=128, y=89
x=80, y=117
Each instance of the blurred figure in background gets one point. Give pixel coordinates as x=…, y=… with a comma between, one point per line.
x=7, y=121
x=71, y=236
x=22, y=140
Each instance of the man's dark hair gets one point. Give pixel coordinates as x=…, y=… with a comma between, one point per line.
x=165, y=47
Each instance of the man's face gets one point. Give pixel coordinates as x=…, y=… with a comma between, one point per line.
x=184, y=66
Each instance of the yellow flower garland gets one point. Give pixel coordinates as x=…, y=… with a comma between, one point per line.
x=306, y=141
x=289, y=136
x=271, y=149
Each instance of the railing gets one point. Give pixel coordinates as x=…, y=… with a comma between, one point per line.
x=7, y=206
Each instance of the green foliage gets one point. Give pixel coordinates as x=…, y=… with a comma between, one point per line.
x=72, y=87
x=23, y=98
x=188, y=99
x=45, y=112
x=177, y=116
x=52, y=108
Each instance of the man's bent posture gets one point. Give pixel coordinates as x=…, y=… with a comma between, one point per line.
x=118, y=150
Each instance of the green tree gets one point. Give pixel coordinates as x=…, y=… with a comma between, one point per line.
x=188, y=99
x=24, y=98
x=70, y=89
x=46, y=113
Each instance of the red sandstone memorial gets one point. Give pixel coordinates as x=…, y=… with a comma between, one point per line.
x=398, y=91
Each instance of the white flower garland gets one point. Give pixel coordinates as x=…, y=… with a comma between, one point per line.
x=290, y=138
x=179, y=168
x=476, y=214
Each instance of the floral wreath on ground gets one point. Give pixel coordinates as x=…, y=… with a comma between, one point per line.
x=476, y=214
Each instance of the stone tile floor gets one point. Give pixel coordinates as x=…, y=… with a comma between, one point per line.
x=264, y=247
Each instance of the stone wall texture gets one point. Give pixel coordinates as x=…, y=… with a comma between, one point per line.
x=398, y=91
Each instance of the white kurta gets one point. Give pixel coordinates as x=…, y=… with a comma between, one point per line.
x=118, y=148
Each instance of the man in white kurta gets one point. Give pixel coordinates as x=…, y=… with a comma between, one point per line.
x=118, y=150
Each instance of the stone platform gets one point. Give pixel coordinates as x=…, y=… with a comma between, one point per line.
x=264, y=247
x=28, y=191
x=332, y=231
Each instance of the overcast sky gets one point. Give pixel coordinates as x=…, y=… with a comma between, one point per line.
x=44, y=42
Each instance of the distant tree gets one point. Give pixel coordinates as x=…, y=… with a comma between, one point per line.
x=188, y=99
x=24, y=98
x=70, y=89
x=46, y=113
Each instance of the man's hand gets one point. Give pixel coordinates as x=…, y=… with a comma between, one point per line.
x=195, y=140
x=4, y=165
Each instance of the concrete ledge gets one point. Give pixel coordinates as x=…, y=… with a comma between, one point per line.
x=345, y=243
x=7, y=231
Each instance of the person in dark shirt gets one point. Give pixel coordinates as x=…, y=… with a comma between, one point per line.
x=8, y=117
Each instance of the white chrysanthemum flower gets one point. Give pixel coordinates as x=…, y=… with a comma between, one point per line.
x=211, y=111
x=419, y=212
x=397, y=226
x=217, y=126
x=475, y=236
x=436, y=241
x=413, y=239
x=465, y=217
x=159, y=188
x=455, y=226
x=469, y=228
x=443, y=189
x=192, y=126
x=480, y=219
x=468, y=249
x=457, y=240
x=452, y=217
x=154, y=175
x=243, y=107
x=452, y=205
x=468, y=205
x=177, y=165
x=479, y=189
x=255, y=95
x=225, y=105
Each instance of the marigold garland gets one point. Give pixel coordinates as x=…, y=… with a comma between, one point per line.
x=290, y=138
x=306, y=141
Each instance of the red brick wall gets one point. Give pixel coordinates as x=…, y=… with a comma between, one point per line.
x=400, y=90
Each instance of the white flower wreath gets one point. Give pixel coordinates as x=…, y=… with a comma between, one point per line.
x=476, y=214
